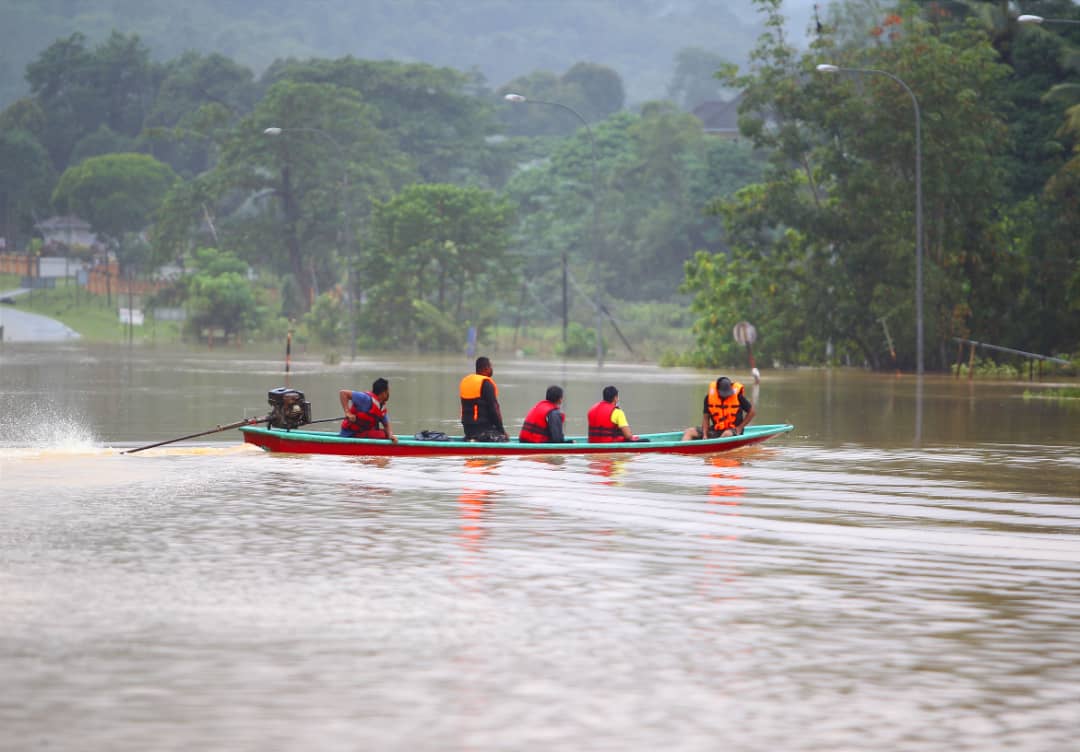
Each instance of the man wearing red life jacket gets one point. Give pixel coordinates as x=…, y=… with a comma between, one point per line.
x=607, y=421
x=481, y=416
x=726, y=412
x=544, y=423
x=366, y=414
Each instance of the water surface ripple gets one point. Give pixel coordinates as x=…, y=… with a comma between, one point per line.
x=785, y=597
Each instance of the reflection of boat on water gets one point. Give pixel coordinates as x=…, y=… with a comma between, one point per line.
x=474, y=502
x=322, y=442
x=609, y=468
x=725, y=474
x=472, y=506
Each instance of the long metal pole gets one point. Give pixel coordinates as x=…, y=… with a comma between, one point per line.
x=595, y=193
x=351, y=261
x=565, y=303
x=918, y=207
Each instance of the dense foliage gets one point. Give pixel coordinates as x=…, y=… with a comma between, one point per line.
x=219, y=296
x=422, y=202
x=301, y=172
x=824, y=247
x=437, y=263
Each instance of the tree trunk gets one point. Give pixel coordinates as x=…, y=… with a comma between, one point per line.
x=292, y=237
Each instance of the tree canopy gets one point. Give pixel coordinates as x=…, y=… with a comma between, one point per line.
x=824, y=247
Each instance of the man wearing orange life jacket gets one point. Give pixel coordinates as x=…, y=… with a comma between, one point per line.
x=366, y=414
x=481, y=416
x=726, y=411
x=544, y=423
x=607, y=421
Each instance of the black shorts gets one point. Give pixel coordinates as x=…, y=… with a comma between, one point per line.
x=714, y=434
x=487, y=434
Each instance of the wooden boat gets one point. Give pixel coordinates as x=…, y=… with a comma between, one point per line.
x=298, y=441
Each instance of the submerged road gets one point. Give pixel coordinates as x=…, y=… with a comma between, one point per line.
x=21, y=326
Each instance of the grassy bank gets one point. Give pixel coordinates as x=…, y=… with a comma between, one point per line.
x=91, y=316
x=652, y=329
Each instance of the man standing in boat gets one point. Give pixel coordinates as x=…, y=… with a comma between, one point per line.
x=727, y=411
x=607, y=421
x=544, y=423
x=481, y=416
x=366, y=414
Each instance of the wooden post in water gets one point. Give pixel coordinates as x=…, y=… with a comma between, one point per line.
x=288, y=352
x=971, y=363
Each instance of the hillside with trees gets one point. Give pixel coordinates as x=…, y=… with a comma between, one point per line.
x=824, y=248
x=389, y=203
x=496, y=39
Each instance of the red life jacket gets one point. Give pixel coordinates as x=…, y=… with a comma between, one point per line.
x=601, y=429
x=723, y=410
x=360, y=422
x=534, y=430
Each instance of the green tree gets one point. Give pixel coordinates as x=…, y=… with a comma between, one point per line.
x=80, y=90
x=600, y=87
x=431, y=113
x=439, y=261
x=656, y=174
x=694, y=80
x=26, y=180
x=281, y=200
x=219, y=295
x=833, y=222
x=593, y=91
x=200, y=96
x=115, y=193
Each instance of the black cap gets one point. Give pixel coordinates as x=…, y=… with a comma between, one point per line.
x=723, y=387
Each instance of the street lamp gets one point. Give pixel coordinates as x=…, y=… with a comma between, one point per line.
x=274, y=131
x=1026, y=19
x=826, y=68
x=520, y=99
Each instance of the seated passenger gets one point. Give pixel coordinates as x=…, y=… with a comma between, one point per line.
x=607, y=421
x=544, y=423
x=727, y=411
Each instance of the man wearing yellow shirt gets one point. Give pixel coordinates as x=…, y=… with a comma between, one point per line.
x=607, y=422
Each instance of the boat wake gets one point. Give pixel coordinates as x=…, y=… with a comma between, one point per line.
x=46, y=429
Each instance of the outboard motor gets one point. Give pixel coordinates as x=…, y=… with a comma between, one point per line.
x=288, y=409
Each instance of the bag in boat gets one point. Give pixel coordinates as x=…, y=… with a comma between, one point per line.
x=431, y=436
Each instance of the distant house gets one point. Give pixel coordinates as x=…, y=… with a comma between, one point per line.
x=68, y=233
x=719, y=118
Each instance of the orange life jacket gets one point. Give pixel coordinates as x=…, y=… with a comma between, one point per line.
x=535, y=430
x=470, y=390
x=722, y=410
x=601, y=429
x=359, y=422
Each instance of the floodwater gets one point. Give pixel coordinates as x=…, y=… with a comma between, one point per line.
x=901, y=572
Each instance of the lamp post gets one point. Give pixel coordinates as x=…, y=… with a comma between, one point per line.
x=520, y=99
x=347, y=240
x=1027, y=19
x=826, y=68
